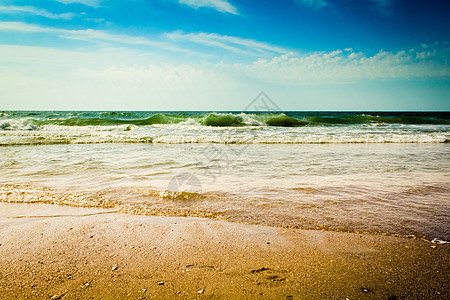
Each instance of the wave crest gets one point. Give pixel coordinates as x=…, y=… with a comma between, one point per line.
x=35, y=120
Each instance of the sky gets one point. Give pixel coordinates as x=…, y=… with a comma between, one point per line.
x=363, y=55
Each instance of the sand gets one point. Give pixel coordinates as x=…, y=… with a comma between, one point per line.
x=90, y=254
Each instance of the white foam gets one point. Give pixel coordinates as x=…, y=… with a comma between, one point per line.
x=125, y=127
x=18, y=124
x=247, y=119
x=189, y=122
x=22, y=131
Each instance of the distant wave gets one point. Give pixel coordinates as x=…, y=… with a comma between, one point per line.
x=34, y=120
x=45, y=128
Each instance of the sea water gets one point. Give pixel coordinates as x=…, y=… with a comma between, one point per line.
x=378, y=172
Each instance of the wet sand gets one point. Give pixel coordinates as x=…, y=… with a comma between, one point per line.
x=84, y=255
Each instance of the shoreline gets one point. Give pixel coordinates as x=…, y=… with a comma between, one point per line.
x=153, y=202
x=120, y=256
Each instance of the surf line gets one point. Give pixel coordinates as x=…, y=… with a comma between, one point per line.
x=61, y=216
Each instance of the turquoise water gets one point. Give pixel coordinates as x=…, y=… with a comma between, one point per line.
x=230, y=118
x=352, y=171
x=33, y=127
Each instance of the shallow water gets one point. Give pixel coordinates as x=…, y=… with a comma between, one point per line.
x=385, y=188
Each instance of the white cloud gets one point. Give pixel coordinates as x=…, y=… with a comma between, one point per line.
x=91, y=35
x=219, y=5
x=92, y=3
x=337, y=67
x=21, y=27
x=35, y=11
x=315, y=4
x=120, y=78
x=281, y=65
x=230, y=43
x=117, y=78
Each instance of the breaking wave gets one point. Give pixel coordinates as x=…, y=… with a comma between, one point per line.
x=42, y=128
x=33, y=120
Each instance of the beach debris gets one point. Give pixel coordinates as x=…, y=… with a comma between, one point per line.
x=115, y=267
x=160, y=283
x=200, y=291
x=364, y=290
x=438, y=241
x=259, y=270
x=57, y=297
x=275, y=278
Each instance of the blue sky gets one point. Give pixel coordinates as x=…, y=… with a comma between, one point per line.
x=219, y=54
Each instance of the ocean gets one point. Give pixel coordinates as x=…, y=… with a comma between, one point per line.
x=374, y=172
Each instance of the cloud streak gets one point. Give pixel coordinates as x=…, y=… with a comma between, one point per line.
x=34, y=11
x=174, y=41
x=230, y=43
x=90, y=35
x=92, y=3
x=220, y=5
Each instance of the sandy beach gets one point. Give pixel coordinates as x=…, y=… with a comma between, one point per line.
x=70, y=253
x=224, y=149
